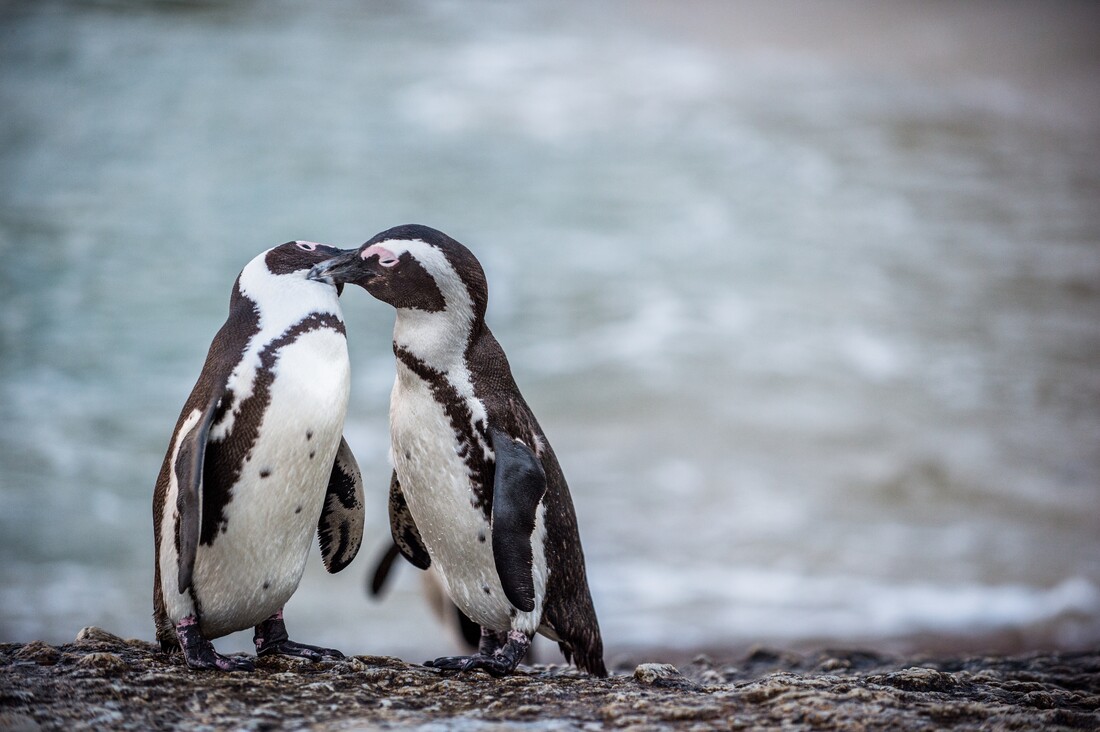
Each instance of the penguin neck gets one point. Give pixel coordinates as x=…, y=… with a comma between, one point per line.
x=273, y=305
x=439, y=339
x=431, y=350
x=281, y=301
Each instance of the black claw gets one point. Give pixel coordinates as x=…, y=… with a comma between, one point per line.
x=494, y=665
x=271, y=639
x=214, y=661
x=239, y=664
x=449, y=663
x=301, y=650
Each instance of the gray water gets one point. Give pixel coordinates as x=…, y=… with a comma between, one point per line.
x=809, y=308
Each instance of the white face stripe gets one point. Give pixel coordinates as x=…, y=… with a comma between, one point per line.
x=438, y=339
x=432, y=259
x=281, y=301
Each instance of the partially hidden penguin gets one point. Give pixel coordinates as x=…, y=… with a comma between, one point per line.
x=257, y=465
x=465, y=632
x=476, y=491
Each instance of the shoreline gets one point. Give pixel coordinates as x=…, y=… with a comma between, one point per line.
x=1007, y=642
x=101, y=681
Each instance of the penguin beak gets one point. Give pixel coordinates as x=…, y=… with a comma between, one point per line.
x=344, y=267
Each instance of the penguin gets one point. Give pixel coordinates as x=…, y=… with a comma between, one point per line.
x=257, y=464
x=466, y=633
x=476, y=491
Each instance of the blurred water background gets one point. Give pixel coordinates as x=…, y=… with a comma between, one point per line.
x=807, y=297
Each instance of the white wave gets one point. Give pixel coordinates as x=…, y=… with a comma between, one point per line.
x=555, y=88
x=739, y=604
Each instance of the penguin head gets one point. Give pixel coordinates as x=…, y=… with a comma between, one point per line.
x=412, y=267
x=298, y=257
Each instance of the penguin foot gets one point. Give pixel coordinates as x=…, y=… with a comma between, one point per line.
x=199, y=653
x=290, y=648
x=271, y=639
x=500, y=662
x=490, y=641
x=495, y=665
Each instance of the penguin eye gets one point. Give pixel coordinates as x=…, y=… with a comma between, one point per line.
x=386, y=258
x=307, y=246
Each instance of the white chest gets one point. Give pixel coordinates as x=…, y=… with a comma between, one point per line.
x=437, y=485
x=253, y=568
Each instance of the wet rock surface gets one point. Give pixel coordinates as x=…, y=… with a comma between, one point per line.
x=104, y=682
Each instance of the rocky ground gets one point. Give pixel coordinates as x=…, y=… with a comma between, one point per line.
x=101, y=682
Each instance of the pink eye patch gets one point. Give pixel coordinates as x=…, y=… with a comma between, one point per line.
x=386, y=258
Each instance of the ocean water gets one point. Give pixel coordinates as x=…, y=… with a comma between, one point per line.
x=809, y=308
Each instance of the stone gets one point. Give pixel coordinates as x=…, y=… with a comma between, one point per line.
x=103, y=662
x=92, y=634
x=650, y=673
x=10, y=722
x=128, y=685
x=918, y=679
x=38, y=652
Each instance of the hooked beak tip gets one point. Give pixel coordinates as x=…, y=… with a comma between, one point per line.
x=337, y=270
x=319, y=273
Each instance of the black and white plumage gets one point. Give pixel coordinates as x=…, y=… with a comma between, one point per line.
x=257, y=464
x=477, y=491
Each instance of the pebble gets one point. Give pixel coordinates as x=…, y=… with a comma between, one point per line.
x=651, y=673
x=13, y=722
x=105, y=662
x=131, y=686
x=38, y=652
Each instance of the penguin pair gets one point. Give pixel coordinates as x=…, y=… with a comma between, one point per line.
x=476, y=490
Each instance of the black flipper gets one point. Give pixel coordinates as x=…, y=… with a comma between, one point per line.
x=518, y=486
x=403, y=529
x=340, y=529
x=382, y=569
x=188, y=469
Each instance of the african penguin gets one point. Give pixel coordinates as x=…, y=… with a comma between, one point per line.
x=465, y=632
x=256, y=465
x=476, y=491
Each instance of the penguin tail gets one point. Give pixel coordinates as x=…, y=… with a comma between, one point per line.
x=166, y=630
x=166, y=636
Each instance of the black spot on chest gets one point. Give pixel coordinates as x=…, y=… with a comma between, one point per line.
x=225, y=459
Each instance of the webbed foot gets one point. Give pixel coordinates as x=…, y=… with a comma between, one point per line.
x=495, y=665
x=500, y=662
x=199, y=653
x=271, y=639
